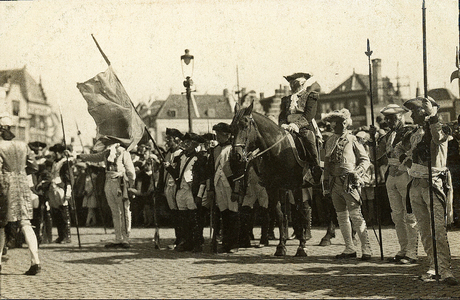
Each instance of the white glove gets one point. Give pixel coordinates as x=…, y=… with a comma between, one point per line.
x=429, y=108
x=293, y=127
x=285, y=126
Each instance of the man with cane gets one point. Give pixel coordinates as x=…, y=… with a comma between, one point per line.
x=429, y=136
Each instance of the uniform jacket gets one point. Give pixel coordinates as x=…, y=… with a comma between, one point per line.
x=300, y=114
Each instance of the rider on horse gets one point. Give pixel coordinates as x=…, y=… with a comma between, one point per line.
x=297, y=114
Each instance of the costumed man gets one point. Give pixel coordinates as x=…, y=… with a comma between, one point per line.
x=396, y=184
x=223, y=186
x=167, y=178
x=15, y=193
x=429, y=132
x=188, y=185
x=345, y=163
x=60, y=192
x=119, y=176
x=297, y=113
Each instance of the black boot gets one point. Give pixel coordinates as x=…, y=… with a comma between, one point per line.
x=197, y=231
x=244, y=233
x=264, y=226
x=47, y=228
x=186, y=231
x=308, y=225
x=66, y=224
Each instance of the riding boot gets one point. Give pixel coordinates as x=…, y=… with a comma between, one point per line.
x=66, y=224
x=226, y=231
x=234, y=222
x=264, y=226
x=177, y=229
x=308, y=225
x=197, y=231
x=244, y=236
x=47, y=228
x=60, y=226
x=185, y=229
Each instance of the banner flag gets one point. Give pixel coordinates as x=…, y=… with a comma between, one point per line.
x=112, y=109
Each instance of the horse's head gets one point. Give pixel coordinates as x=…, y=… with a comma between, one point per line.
x=244, y=132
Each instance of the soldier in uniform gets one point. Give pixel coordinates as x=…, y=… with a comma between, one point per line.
x=223, y=185
x=345, y=163
x=429, y=132
x=297, y=114
x=168, y=175
x=60, y=192
x=120, y=175
x=396, y=184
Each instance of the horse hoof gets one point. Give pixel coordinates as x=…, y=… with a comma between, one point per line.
x=301, y=252
x=280, y=251
x=325, y=242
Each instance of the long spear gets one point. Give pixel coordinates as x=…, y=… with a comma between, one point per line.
x=72, y=199
x=428, y=132
x=160, y=154
x=91, y=177
x=374, y=150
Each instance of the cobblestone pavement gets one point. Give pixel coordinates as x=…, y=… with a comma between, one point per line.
x=92, y=271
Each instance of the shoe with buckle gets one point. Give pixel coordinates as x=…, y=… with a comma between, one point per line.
x=407, y=261
x=450, y=281
x=33, y=270
x=395, y=259
x=345, y=255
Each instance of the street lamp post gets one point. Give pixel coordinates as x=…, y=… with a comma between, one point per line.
x=186, y=59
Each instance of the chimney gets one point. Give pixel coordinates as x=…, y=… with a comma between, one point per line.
x=261, y=96
x=286, y=90
x=377, y=80
x=417, y=90
x=225, y=93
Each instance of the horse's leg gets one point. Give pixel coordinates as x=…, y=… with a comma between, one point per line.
x=264, y=227
x=330, y=215
x=275, y=205
x=299, y=213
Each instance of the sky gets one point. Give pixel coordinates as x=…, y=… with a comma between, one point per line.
x=266, y=39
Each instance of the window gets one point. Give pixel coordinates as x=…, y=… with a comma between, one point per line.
x=339, y=105
x=171, y=113
x=353, y=107
x=15, y=105
x=211, y=113
x=325, y=107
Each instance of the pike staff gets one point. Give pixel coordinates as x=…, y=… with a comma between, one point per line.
x=428, y=133
x=374, y=150
x=72, y=199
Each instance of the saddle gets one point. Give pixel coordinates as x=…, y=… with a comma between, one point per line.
x=298, y=149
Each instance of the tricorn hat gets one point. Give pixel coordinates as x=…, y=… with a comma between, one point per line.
x=222, y=127
x=36, y=146
x=294, y=76
x=174, y=133
x=392, y=109
x=418, y=103
x=190, y=136
x=58, y=148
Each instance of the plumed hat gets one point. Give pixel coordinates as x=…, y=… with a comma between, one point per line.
x=190, y=136
x=209, y=136
x=222, y=127
x=418, y=103
x=174, y=133
x=343, y=114
x=294, y=76
x=392, y=109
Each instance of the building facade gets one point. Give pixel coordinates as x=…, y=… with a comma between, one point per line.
x=26, y=102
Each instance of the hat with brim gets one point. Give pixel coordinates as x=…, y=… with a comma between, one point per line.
x=190, y=136
x=393, y=109
x=36, y=146
x=209, y=136
x=343, y=114
x=294, y=76
x=222, y=127
x=417, y=103
x=363, y=135
x=174, y=133
x=57, y=148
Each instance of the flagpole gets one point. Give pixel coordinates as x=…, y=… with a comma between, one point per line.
x=72, y=199
x=428, y=132
x=374, y=150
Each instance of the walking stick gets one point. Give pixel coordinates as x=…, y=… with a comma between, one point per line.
x=374, y=150
x=72, y=199
x=91, y=177
x=428, y=133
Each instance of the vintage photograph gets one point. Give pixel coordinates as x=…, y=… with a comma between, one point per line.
x=230, y=149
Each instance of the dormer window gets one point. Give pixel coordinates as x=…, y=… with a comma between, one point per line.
x=211, y=113
x=171, y=113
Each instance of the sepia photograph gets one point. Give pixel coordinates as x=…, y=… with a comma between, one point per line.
x=230, y=149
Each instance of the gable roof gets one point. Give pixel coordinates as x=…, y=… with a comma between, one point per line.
x=441, y=94
x=204, y=103
x=31, y=91
x=355, y=82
